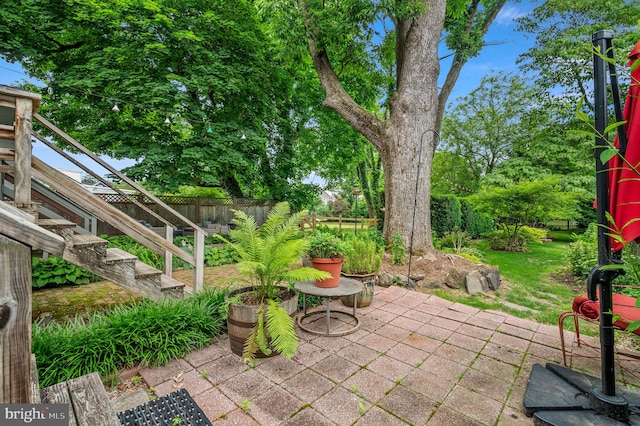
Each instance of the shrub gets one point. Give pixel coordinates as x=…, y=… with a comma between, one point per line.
x=454, y=241
x=506, y=239
x=446, y=215
x=146, y=333
x=582, y=254
x=474, y=223
x=363, y=257
x=57, y=271
x=629, y=282
x=397, y=250
x=216, y=256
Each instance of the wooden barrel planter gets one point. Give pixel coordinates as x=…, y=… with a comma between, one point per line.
x=242, y=318
x=365, y=297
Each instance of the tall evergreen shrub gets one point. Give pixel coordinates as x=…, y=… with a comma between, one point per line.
x=446, y=215
x=474, y=223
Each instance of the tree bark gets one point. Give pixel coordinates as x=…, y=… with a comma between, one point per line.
x=411, y=124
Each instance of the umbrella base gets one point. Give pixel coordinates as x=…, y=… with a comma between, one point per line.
x=558, y=396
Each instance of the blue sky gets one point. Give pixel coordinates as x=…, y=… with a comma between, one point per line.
x=505, y=44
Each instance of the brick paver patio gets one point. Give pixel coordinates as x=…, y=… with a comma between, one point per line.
x=417, y=359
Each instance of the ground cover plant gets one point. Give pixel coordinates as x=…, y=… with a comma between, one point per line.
x=57, y=271
x=215, y=253
x=145, y=333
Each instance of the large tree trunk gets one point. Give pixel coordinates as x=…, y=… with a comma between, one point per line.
x=414, y=109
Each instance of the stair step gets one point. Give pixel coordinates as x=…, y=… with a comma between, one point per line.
x=86, y=240
x=56, y=223
x=168, y=282
x=116, y=255
x=143, y=270
x=170, y=287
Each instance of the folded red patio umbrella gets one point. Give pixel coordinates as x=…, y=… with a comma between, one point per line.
x=624, y=182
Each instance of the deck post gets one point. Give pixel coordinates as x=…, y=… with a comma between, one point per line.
x=22, y=190
x=198, y=253
x=15, y=322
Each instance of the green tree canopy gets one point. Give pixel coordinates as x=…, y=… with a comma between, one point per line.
x=561, y=56
x=206, y=67
x=525, y=203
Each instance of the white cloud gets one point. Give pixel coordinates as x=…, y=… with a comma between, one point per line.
x=508, y=14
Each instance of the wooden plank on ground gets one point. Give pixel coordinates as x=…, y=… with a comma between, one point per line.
x=35, y=382
x=59, y=394
x=90, y=402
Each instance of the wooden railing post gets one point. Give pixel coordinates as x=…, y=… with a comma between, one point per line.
x=22, y=182
x=198, y=254
x=196, y=218
x=168, y=256
x=15, y=322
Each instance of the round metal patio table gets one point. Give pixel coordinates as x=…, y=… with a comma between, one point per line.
x=347, y=287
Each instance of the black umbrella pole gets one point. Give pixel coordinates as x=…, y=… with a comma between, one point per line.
x=604, y=400
x=602, y=40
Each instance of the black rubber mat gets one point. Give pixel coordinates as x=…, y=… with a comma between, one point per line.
x=175, y=409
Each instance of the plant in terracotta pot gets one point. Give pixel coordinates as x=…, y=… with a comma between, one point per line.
x=362, y=263
x=327, y=254
x=259, y=321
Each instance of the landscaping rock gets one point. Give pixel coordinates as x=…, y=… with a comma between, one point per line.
x=492, y=274
x=385, y=280
x=430, y=285
x=416, y=278
x=456, y=278
x=474, y=282
x=404, y=281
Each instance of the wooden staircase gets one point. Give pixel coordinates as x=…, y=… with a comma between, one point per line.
x=18, y=108
x=91, y=253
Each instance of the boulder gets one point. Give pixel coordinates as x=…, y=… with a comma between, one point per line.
x=456, y=278
x=474, y=282
x=492, y=274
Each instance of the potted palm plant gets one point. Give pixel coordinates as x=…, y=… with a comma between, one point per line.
x=327, y=254
x=260, y=317
x=362, y=262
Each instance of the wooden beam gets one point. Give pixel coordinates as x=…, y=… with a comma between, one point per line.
x=7, y=134
x=15, y=322
x=7, y=169
x=12, y=92
x=8, y=101
x=19, y=226
x=7, y=154
x=22, y=180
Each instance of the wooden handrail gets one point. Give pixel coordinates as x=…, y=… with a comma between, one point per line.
x=117, y=173
x=101, y=179
x=95, y=205
x=198, y=256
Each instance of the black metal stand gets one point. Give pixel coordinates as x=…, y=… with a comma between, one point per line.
x=556, y=395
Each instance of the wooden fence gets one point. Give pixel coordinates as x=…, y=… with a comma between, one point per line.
x=562, y=224
x=340, y=222
x=197, y=209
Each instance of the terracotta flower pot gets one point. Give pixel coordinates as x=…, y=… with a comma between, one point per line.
x=332, y=266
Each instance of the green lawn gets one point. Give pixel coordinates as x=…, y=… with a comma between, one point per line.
x=528, y=281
